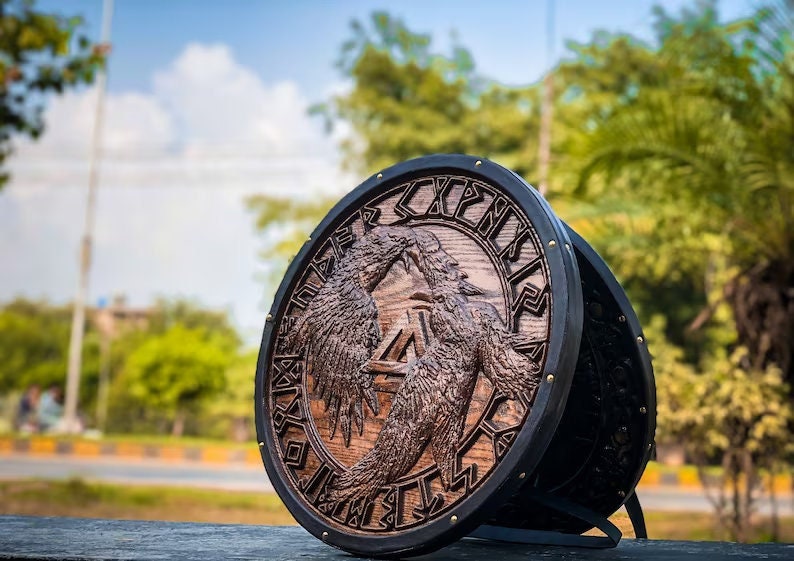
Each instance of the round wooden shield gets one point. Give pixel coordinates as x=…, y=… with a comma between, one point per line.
x=418, y=356
x=606, y=435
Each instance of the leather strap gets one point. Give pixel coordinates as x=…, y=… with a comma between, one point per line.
x=610, y=539
x=634, y=510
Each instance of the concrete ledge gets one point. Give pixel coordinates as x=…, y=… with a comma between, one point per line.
x=23, y=537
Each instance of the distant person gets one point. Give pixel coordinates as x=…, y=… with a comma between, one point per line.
x=26, y=419
x=50, y=408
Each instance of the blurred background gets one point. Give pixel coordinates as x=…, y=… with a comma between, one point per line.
x=161, y=161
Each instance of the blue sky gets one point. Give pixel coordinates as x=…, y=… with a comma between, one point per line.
x=298, y=40
x=207, y=105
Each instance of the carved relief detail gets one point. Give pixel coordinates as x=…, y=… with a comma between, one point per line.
x=410, y=353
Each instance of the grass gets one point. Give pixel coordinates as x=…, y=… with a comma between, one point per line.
x=78, y=498
x=698, y=526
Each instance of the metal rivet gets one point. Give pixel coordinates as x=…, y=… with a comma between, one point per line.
x=261, y=444
x=522, y=475
x=269, y=317
x=478, y=163
x=325, y=535
x=453, y=519
x=621, y=493
x=643, y=410
x=550, y=378
x=640, y=339
x=650, y=446
x=380, y=176
x=622, y=319
x=552, y=243
x=567, y=246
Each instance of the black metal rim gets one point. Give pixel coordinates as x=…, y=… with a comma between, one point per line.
x=528, y=448
x=594, y=462
x=640, y=346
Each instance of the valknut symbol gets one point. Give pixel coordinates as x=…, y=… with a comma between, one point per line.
x=412, y=383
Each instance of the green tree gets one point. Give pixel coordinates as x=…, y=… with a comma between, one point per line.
x=40, y=54
x=173, y=372
x=131, y=411
x=701, y=152
x=409, y=101
x=735, y=414
x=34, y=340
x=231, y=412
x=212, y=323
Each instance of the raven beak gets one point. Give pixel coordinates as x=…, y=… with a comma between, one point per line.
x=409, y=255
x=469, y=289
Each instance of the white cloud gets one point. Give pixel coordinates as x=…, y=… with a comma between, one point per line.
x=177, y=164
x=264, y=120
x=135, y=125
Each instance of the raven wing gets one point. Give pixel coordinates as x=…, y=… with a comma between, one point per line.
x=405, y=433
x=338, y=331
x=512, y=373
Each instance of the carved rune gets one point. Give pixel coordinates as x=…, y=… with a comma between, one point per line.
x=338, y=332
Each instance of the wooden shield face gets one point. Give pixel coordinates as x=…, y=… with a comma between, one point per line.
x=418, y=357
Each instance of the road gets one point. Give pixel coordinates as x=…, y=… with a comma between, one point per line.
x=254, y=479
x=141, y=472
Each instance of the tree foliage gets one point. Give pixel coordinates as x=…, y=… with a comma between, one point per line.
x=408, y=101
x=34, y=343
x=158, y=367
x=40, y=54
x=704, y=144
x=231, y=411
x=173, y=371
x=137, y=403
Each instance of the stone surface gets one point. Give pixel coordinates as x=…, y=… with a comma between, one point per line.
x=23, y=537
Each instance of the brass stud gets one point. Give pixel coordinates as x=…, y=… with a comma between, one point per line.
x=552, y=243
x=621, y=494
x=640, y=339
x=325, y=536
x=453, y=519
x=568, y=247
x=522, y=475
x=478, y=163
x=550, y=378
x=622, y=319
x=643, y=410
x=269, y=317
x=380, y=176
x=261, y=444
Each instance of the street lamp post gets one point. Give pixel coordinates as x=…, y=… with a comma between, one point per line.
x=546, y=105
x=71, y=423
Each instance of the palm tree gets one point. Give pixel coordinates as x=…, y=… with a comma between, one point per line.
x=703, y=151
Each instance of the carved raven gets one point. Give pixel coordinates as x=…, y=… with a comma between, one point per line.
x=431, y=405
x=339, y=330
